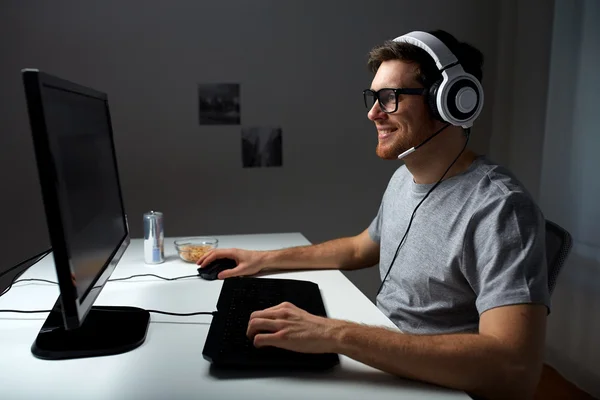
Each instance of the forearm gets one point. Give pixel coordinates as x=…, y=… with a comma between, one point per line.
x=475, y=363
x=333, y=254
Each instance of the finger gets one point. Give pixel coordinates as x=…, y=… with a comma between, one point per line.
x=269, y=339
x=261, y=325
x=228, y=273
x=275, y=312
x=284, y=309
x=207, y=258
x=215, y=255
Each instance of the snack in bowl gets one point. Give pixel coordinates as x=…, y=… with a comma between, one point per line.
x=192, y=249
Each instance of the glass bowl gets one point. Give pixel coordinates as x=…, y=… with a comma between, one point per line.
x=193, y=248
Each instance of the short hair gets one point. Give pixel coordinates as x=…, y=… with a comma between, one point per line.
x=469, y=57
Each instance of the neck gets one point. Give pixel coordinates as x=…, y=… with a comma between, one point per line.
x=428, y=163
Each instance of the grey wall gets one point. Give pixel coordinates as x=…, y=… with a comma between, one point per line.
x=301, y=65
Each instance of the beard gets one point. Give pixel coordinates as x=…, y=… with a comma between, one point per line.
x=392, y=148
x=400, y=141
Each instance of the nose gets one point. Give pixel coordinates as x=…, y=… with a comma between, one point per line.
x=375, y=112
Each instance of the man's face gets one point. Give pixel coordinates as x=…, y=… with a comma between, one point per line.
x=411, y=123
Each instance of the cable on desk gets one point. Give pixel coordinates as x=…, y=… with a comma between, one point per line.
x=25, y=311
x=156, y=276
x=151, y=311
x=213, y=313
x=24, y=280
x=110, y=280
x=35, y=279
x=39, y=256
x=15, y=281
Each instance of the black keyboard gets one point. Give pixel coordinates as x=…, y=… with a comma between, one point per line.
x=227, y=344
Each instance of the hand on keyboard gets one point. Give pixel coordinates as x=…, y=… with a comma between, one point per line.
x=248, y=262
x=289, y=327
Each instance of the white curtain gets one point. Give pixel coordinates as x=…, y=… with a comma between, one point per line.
x=570, y=188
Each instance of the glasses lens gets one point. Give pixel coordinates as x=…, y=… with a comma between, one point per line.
x=387, y=100
x=369, y=98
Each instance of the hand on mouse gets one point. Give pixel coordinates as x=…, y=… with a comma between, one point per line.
x=248, y=262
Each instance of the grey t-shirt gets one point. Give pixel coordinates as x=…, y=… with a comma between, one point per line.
x=477, y=242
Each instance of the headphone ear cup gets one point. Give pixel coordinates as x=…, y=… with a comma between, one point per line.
x=432, y=100
x=464, y=97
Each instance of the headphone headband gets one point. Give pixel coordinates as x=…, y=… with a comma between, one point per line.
x=440, y=53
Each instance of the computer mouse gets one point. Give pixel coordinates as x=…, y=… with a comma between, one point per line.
x=212, y=270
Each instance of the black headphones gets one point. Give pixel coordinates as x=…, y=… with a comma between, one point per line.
x=457, y=97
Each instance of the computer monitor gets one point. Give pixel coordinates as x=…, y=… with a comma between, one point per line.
x=87, y=223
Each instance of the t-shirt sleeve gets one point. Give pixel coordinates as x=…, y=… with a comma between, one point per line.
x=504, y=257
x=375, y=226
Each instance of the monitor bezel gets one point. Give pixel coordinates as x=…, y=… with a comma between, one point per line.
x=74, y=310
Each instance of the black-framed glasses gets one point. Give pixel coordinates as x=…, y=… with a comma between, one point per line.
x=388, y=97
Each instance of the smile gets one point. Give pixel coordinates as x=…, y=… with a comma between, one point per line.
x=384, y=133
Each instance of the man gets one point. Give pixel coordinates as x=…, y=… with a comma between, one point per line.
x=459, y=242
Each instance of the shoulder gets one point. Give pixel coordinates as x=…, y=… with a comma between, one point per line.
x=501, y=200
x=495, y=183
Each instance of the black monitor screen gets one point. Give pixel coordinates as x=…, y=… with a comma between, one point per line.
x=88, y=189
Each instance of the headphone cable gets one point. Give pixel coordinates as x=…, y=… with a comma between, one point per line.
x=468, y=134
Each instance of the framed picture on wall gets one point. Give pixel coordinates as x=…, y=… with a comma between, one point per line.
x=262, y=147
x=219, y=103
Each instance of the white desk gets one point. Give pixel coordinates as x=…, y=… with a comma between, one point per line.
x=169, y=364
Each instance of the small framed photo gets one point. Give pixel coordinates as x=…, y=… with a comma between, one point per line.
x=219, y=104
x=262, y=147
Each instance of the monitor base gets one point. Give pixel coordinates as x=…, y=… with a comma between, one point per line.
x=105, y=331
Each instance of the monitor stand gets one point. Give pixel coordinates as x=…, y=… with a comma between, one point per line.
x=105, y=331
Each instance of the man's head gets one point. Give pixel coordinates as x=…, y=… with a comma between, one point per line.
x=406, y=119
